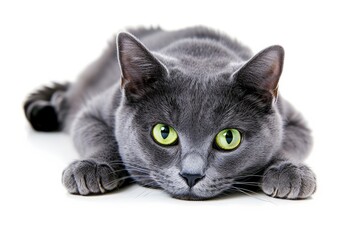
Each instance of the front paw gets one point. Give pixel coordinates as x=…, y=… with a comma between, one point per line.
x=89, y=177
x=290, y=181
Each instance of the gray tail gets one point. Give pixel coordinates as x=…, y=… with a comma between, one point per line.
x=42, y=107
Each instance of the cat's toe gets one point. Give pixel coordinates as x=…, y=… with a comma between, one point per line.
x=108, y=179
x=68, y=180
x=87, y=177
x=80, y=178
x=289, y=181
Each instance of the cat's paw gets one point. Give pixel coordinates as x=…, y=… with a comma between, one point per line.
x=88, y=177
x=290, y=181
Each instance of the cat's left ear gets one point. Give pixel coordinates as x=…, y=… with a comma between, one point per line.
x=139, y=67
x=263, y=71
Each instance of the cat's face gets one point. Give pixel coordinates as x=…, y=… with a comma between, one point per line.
x=193, y=136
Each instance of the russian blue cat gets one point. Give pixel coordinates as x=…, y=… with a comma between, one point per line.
x=192, y=112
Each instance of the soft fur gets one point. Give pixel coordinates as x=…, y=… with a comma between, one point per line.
x=198, y=81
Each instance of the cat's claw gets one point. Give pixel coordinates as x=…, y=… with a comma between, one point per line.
x=289, y=181
x=88, y=177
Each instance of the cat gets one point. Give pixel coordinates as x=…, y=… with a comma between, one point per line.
x=192, y=112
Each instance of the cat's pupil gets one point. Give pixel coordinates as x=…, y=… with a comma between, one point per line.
x=165, y=130
x=229, y=136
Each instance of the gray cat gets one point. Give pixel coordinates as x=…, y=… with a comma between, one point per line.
x=190, y=111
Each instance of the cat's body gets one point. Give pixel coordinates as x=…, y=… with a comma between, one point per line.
x=196, y=82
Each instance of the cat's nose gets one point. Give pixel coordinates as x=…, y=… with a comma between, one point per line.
x=191, y=179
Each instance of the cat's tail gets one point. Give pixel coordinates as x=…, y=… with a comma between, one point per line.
x=44, y=108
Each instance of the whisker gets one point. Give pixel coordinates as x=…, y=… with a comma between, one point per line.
x=145, y=192
x=137, y=168
x=246, y=191
x=115, y=162
x=248, y=176
x=131, y=177
x=131, y=168
x=224, y=193
x=247, y=183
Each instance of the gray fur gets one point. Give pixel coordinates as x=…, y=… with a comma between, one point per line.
x=198, y=81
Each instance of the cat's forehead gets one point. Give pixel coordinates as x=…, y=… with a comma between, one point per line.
x=198, y=104
x=200, y=58
x=198, y=72
x=196, y=78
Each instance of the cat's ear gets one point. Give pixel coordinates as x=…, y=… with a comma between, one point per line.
x=139, y=67
x=263, y=70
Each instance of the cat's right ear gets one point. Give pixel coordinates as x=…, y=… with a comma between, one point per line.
x=139, y=67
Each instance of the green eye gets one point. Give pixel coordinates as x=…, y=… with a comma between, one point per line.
x=164, y=134
x=228, y=139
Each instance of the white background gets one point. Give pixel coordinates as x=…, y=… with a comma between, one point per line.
x=43, y=41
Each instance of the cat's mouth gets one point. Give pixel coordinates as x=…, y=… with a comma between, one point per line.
x=191, y=196
x=188, y=194
x=195, y=194
x=178, y=187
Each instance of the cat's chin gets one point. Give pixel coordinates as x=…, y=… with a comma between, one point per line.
x=190, y=196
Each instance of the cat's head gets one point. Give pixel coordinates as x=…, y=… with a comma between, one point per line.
x=194, y=122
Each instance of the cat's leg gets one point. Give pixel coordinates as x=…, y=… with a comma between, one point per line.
x=45, y=107
x=288, y=177
x=101, y=169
